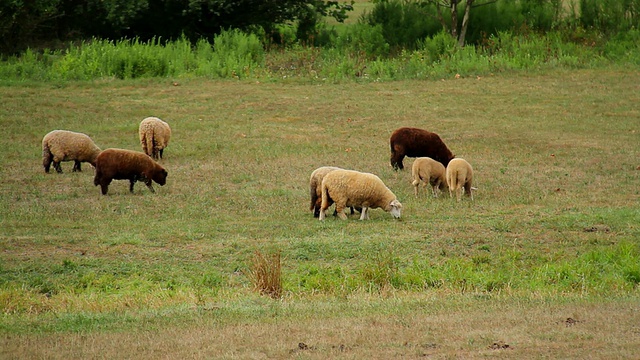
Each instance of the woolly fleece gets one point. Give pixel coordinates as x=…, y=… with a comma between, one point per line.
x=154, y=136
x=64, y=145
x=357, y=189
x=120, y=164
x=459, y=175
x=413, y=142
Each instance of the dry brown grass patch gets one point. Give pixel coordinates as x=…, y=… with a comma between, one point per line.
x=266, y=275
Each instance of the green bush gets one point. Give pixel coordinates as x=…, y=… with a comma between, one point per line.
x=364, y=39
x=403, y=23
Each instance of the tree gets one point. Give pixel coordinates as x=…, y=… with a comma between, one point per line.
x=452, y=5
x=30, y=23
x=23, y=20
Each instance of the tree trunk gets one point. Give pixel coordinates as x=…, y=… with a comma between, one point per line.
x=440, y=17
x=454, y=18
x=465, y=22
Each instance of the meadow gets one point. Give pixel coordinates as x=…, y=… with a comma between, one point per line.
x=545, y=262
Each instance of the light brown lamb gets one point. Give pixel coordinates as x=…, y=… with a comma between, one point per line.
x=154, y=136
x=459, y=175
x=429, y=171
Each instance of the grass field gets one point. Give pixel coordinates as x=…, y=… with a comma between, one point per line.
x=545, y=263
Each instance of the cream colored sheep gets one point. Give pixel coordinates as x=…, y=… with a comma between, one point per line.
x=315, y=187
x=64, y=145
x=154, y=136
x=459, y=176
x=357, y=189
x=429, y=171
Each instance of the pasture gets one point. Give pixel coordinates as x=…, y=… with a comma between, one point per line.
x=545, y=262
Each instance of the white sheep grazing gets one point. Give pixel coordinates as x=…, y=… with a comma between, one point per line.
x=357, y=189
x=154, y=136
x=459, y=175
x=429, y=171
x=64, y=145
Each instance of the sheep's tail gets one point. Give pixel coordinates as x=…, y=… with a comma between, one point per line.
x=460, y=179
x=452, y=181
x=415, y=174
x=147, y=143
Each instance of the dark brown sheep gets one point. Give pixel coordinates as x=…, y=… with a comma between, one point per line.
x=120, y=164
x=413, y=142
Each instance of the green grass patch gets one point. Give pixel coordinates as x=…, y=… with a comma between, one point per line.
x=554, y=215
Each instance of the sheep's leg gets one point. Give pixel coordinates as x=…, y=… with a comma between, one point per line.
x=46, y=163
x=77, y=166
x=104, y=186
x=56, y=165
x=147, y=182
x=324, y=206
x=364, y=215
x=396, y=162
x=161, y=150
x=340, y=210
x=131, y=183
x=467, y=189
x=397, y=155
x=437, y=187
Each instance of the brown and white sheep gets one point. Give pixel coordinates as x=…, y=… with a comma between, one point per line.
x=357, y=189
x=459, y=175
x=64, y=145
x=120, y=164
x=154, y=136
x=429, y=171
x=413, y=142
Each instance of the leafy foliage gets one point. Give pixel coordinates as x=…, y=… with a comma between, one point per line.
x=31, y=23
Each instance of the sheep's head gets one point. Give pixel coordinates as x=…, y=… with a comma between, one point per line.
x=395, y=207
x=160, y=177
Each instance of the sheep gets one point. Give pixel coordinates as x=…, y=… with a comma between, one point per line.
x=430, y=172
x=354, y=188
x=120, y=164
x=64, y=145
x=315, y=183
x=413, y=142
x=315, y=187
x=154, y=136
x=459, y=175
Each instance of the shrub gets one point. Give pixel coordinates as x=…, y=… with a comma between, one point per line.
x=403, y=23
x=266, y=275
